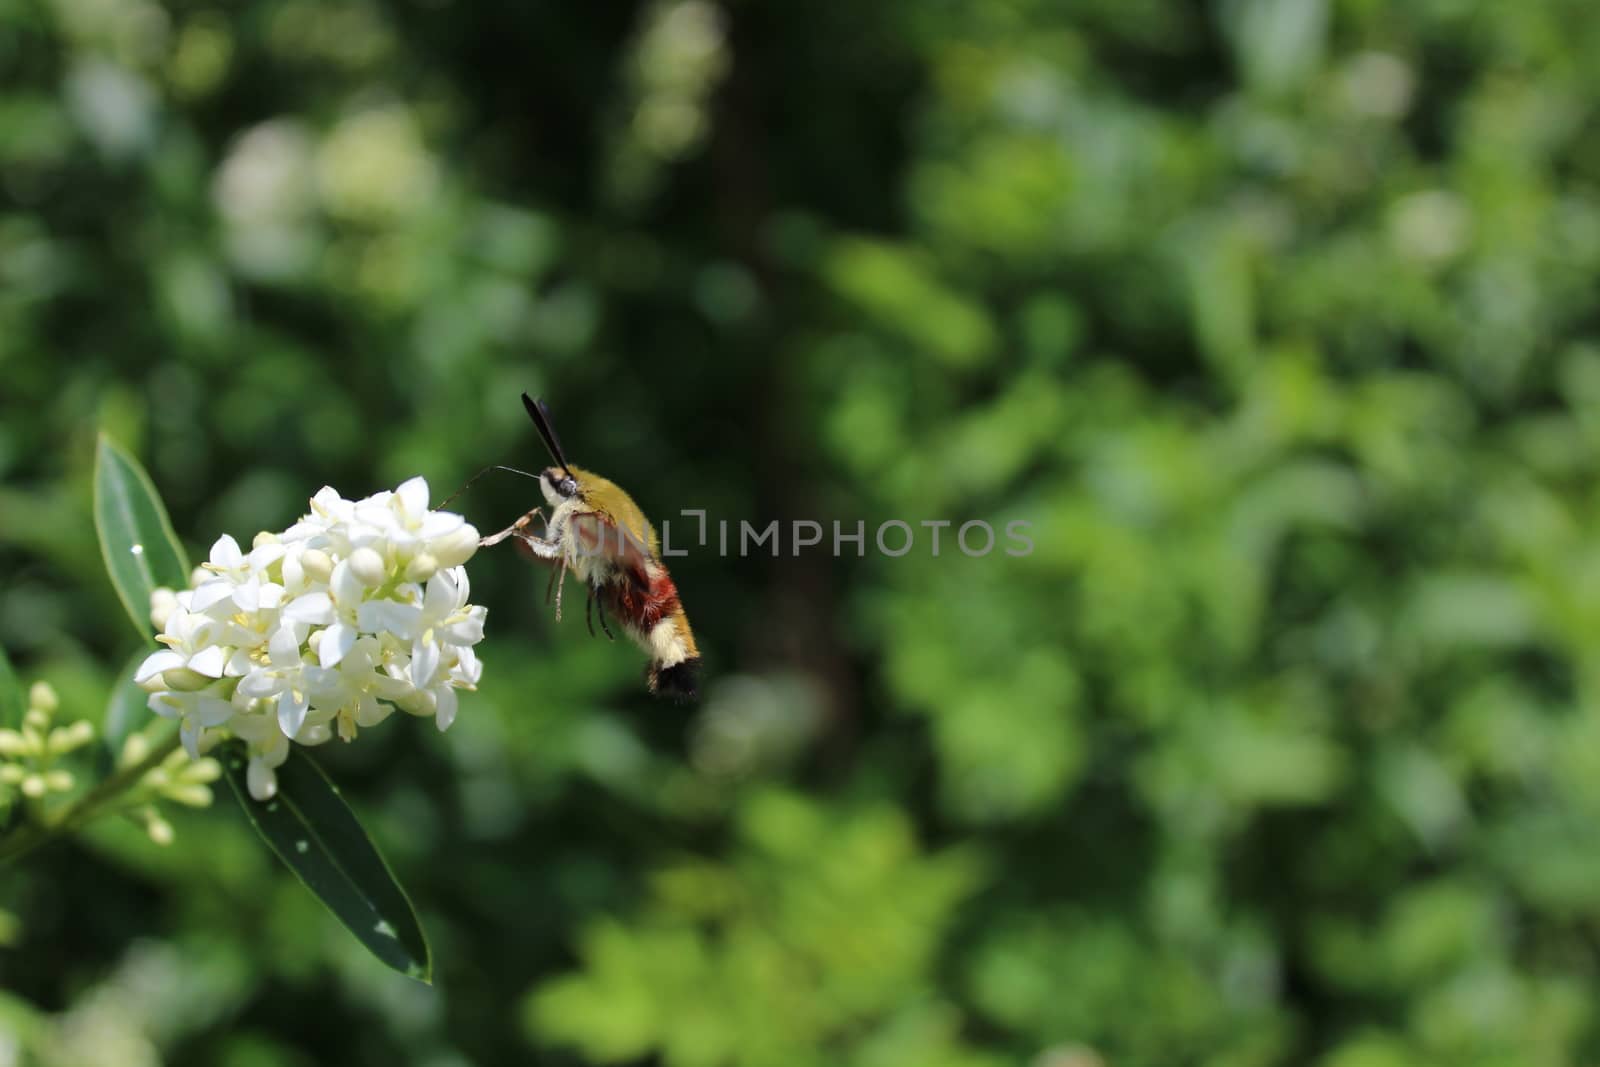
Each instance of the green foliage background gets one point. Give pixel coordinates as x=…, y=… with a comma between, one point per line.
x=1274, y=317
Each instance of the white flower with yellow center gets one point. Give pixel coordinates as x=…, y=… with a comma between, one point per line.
x=193, y=656
x=358, y=608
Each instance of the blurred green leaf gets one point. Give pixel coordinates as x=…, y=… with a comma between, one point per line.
x=317, y=835
x=136, y=540
x=127, y=709
x=13, y=701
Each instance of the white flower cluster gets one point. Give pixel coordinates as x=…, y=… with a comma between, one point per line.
x=357, y=609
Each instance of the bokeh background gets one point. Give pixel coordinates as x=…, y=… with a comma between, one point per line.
x=1276, y=318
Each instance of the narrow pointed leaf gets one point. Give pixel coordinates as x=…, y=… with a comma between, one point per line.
x=127, y=710
x=12, y=699
x=317, y=835
x=136, y=539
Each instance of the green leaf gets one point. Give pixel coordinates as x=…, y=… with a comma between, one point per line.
x=136, y=538
x=127, y=709
x=317, y=835
x=13, y=701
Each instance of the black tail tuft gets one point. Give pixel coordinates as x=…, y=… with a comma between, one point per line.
x=680, y=682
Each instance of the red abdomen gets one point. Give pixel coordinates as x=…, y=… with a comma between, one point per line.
x=641, y=607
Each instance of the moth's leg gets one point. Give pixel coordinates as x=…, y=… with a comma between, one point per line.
x=538, y=546
x=560, y=582
x=588, y=611
x=550, y=586
x=517, y=529
x=600, y=600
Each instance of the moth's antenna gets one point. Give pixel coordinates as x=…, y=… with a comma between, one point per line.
x=480, y=474
x=541, y=419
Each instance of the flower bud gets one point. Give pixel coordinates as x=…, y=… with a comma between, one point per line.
x=58, y=781
x=265, y=537
x=162, y=601
x=134, y=750
x=33, y=786
x=314, y=734
x=64, y=739
x=160, y=831
x=421, y=568
x=368, y=567
x=12, y=743
x=200, y=771
x=35, y=720
x=455, y=547
x=156, y=683
x=317, y=564
x=189, y=795
x=11, y=774
x=184, y=680
x=42, y=697
x=262, y=780
x=417, y=702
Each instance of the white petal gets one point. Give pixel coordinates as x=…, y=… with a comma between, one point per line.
x=337, y=640
x=209, y=661
x=263, y=782
x=446, y=714
x=156, y=662
x=263, y=556
x=165, y=705
x=439, y=523
x=468, y=631
x=361, y=658
x=284, y=648
x=292, y=709
x=440, y=599
x=468, y=669
x=259, y=683
x=315, y=608
x=424, y=661
x=271, y=596
x=299, y=630
x=392, y=688
x=413, y=494
x=190, y=733
x=247, y=596
x=294, y=574
x=345, y=586
x=324, y=683
x=225, y=553
x=371, y=711
x=210, y=593
x=210, y=711
x=379, y=516
x=380, y=616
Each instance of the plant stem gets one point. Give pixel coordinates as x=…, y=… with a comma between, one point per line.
x=85, y=807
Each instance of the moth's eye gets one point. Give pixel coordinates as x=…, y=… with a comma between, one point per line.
x=568, y=486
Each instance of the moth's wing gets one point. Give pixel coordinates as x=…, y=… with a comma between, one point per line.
x=597, y=535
